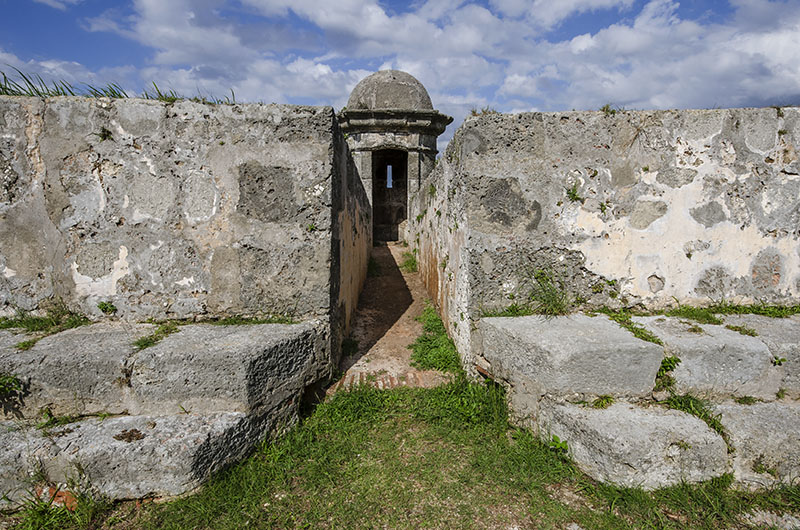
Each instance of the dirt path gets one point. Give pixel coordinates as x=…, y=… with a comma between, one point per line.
x=384, y=326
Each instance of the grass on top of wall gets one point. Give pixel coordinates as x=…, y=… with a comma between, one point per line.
x=33, y=85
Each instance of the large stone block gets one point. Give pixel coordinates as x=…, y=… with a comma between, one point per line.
x=716, y=360
x=782, y=337
x=632, y=446
x=131, y=457
x=570, y=355
x=766, y=441
x=206, y=368
x=76, y=372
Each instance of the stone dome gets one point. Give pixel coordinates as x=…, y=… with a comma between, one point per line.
x=389, y=89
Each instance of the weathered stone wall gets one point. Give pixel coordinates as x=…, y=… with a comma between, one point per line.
x=626, y=208
x=178, y=210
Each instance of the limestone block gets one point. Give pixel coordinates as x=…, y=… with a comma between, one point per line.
x=766, y=439
x=636, y=447
x=716, y=360
x=20, y=452
x=130, y=457
x=206, y=368
x=75, y=372
x=576, y=354
x=782, y=337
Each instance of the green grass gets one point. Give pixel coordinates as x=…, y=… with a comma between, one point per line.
x=418, y=458
x=744, y=330
x=43, y=514
x=249, y=321
x=409, y=263
x=9, y=384
x=664, y=379
x=167, y=328
x=603, y=402
x=58, y=318
x=107, y=308
x=573, y=195
x=434, y=350
x=33, y=85
x=703, y=315
x=699, y=408
x=623, y=318
x=549, y=295
x=514, y=310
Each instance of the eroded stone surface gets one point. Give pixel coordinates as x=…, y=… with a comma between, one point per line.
x=766, y=441
x=716, y=360
x=782, y=337
x=206, y=368
x=636, y=447
x=569, y=355
x=76, y=372
x=132, y=456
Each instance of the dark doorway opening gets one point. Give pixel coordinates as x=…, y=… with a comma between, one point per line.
x=389, y=193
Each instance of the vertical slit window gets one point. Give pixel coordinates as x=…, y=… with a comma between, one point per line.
x=389, y=176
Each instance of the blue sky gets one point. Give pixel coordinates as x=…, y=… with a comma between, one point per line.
x=511, y=55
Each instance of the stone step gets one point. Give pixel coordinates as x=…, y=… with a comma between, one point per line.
x=202, y=368
x=766, y=441
x=575, y=355
x=716, y=361
x=128, y=457
x=632, y=446
x=387, y=381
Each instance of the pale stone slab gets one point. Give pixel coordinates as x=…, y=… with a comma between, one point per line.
x=716, y=361
x=76, y=372
x=632, y=446
x=207, y=368
x=576, y=354
x=766, y=439
x=782, y=337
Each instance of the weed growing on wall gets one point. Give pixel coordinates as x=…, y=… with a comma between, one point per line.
x=58, y=318
x=434, y=350
x=549, y=295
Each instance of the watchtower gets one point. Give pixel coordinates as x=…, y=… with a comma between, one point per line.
x=391, y=128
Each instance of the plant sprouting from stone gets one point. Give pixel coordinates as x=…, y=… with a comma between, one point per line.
x=573, y=195
x=549, y=295
x=778, y=361
x=107, y=308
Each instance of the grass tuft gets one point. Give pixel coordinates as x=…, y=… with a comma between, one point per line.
x=9, y=384
x=623, y=318
x=744, y=330
x=409, y=263
x=699, y=408
x=249, y=321
x=167, y=328
x=702, y=315
x=549, y=295
x=434, y=350
x=603, y=402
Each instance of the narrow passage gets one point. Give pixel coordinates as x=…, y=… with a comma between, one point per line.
x=384, y=326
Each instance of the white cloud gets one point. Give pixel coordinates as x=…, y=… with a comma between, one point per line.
x=58, y=4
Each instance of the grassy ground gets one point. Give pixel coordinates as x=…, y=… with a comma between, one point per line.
x=416, y=458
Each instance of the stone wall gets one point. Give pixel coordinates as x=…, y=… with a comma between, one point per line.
x=626, y=208
x=178, y=210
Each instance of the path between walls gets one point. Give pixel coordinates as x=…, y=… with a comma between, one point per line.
x=384, y=326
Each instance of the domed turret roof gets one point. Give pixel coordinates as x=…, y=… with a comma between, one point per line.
x=389, y=89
